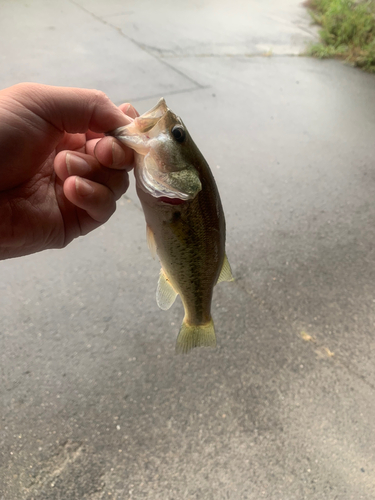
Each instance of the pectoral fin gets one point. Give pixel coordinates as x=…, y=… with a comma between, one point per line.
x=165, y=293
x=226, y=272
x=151, y=241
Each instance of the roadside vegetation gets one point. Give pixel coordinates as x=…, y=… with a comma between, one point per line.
x=348, y=31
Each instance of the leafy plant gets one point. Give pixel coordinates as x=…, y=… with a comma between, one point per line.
x=348, y=30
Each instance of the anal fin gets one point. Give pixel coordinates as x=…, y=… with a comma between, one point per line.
x=226, y=272
x=165, y=293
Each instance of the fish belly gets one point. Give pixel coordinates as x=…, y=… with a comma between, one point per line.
x=191, y=252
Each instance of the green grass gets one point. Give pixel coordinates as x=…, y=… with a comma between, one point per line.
x=348, y=31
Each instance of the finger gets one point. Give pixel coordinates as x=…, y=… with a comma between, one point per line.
x=72, y=110
x=129, y=110
x=110, y=153
x=126, y=108
x=95, y=199
x=75, y=142
x=69, y=164
x=93, y=135
x=90, y=146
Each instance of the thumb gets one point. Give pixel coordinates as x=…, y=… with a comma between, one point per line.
x=70, y=109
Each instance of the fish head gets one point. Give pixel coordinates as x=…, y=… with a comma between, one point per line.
x=166, y=156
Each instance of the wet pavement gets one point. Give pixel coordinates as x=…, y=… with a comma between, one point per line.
x=94, y=404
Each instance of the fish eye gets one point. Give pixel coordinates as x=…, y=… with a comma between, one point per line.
x=178, y=133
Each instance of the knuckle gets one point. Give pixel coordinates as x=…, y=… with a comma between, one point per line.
x=119, y=184
x=100, y=97
x=124, y=184
x=110, y=208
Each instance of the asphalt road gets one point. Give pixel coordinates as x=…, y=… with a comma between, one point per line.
x=94, y=404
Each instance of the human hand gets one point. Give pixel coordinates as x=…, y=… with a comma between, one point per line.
x=59, y=176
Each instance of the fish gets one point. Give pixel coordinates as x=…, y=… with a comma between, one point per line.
x=185, y=223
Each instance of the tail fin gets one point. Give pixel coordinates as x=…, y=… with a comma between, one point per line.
x=191, y=336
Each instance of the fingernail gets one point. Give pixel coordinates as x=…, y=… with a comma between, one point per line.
x=83, y=187
x=76, y=165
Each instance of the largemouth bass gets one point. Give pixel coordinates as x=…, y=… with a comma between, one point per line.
x=184, y=217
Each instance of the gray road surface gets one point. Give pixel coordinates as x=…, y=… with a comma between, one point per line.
x=94, y=404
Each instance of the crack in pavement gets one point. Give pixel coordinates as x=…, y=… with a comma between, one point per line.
x=139, y=45
x=172, y=92
x=269, y=53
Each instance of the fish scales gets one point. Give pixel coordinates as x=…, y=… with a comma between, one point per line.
x=191, y=248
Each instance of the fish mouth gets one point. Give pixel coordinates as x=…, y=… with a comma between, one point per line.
x=172, y=201
x=148, y=120
x=137, y=134
x=140, y=125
